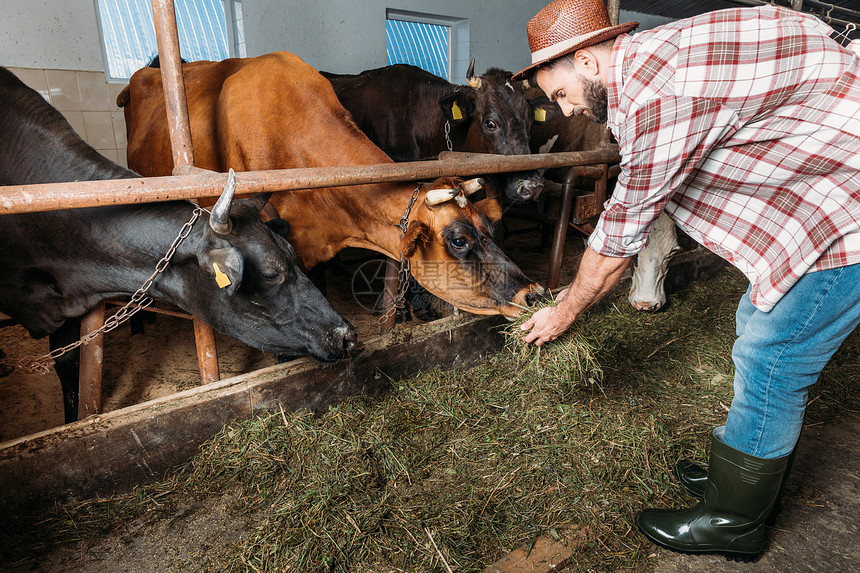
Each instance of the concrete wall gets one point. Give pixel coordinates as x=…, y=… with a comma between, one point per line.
x=347, y=36
x=54, y=46
x=335, y=35
x=54, y=34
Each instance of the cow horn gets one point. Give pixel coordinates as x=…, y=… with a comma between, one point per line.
x=471, y=78
x=472, y=186
x=219, y=219
x=437, y=196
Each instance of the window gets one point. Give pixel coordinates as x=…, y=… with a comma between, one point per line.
x=422, y=45
x=438, y=44
x=128, y=33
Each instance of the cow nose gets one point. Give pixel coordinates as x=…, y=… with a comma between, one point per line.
x=349, y=341
x=524, y=193
x=529, y=190
x=647, y=307
x=533, y=298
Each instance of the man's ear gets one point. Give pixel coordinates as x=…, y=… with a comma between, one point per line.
x=458, y=107
x=416, y=234
x=588, y=62
x=225, y=266
x=491, y=208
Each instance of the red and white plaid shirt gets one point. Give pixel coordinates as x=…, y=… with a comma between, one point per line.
x=744, y=126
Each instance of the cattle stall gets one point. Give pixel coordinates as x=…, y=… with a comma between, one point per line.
x=141, y=441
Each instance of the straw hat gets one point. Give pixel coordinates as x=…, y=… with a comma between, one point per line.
x=564, y=26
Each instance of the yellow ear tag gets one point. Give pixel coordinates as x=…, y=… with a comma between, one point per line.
x=456, y=112
x=220, y=278
x=540, y=114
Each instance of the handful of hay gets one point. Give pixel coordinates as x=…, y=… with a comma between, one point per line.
x=571, y=357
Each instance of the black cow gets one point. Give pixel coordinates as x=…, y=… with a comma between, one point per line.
x=59, y=264
x=407, y=111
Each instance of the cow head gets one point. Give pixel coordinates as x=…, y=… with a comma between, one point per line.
x=243, y=279
x=497, y=119
x=652, y=263
x=452, y=254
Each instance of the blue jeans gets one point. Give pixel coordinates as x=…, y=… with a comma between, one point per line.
x=779, y=354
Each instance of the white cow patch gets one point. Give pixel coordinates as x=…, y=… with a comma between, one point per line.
x=545, y=148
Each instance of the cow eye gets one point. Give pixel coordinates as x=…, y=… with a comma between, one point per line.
x=459, y=243
x=491, y=125
x=272, y=278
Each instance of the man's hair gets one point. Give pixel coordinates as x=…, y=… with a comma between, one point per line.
x=567, y=60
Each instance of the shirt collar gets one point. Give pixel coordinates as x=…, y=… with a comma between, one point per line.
x=615, y=78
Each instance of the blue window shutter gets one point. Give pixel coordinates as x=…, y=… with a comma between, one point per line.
x=422, y=45
x=128, y=33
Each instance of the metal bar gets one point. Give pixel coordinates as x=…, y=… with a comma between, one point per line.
x=152, y=309
x=389, y=293
x=829, y=6
x=613, y=7
x=79, y=194
x=826, y=6
x=92, y=359
x=560, y=233
x=207, y=357
x=179, y=126
x=174, y=83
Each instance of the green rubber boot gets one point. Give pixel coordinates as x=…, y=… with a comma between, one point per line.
x=694, y=478
x=740, y=493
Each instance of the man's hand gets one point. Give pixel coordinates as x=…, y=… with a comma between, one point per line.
x=546, y=325
x=596, y=276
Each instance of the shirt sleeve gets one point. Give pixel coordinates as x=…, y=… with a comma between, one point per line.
x=661, y=143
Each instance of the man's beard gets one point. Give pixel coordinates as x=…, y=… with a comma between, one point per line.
x=596, y=99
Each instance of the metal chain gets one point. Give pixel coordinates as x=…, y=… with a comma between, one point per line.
x=448, y=136
x=399, y=301
x=138, y=302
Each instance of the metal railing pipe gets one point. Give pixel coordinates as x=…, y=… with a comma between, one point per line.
x=79, y=194
x=166, y=36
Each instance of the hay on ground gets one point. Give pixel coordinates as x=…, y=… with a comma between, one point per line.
x=456, y=469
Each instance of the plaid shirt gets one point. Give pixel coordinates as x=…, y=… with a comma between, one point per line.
x=744, y=126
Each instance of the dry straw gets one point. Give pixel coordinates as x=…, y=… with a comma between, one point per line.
x=452, y=470
x=572, y=357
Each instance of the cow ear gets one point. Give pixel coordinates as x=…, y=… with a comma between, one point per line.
x=491, y=208
x=279, y=226
x=543, y=110
x=457, y=107
x=416, y=234
x=225, y=267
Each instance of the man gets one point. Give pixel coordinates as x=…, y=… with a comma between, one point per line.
x=743, y=125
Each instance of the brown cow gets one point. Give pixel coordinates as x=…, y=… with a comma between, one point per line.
x=276, y=112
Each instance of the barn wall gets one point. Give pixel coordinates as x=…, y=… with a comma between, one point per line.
x=345, y=36
x=55, y=48
x=54, y=34
x=338, y=35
